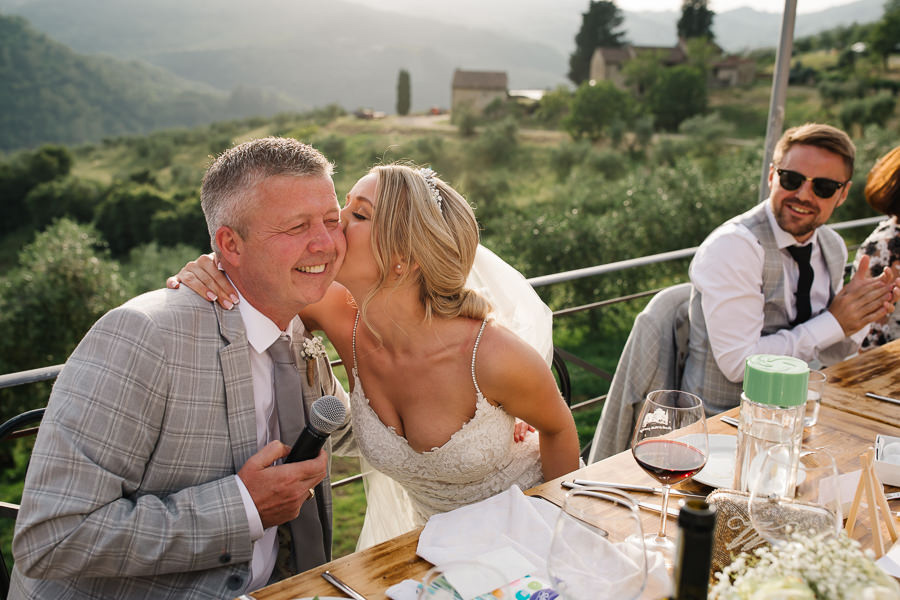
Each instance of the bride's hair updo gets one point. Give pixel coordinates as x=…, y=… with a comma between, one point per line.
x=420, y=220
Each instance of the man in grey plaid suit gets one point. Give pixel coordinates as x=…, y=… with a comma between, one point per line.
x=156, y=472
x=747, y=293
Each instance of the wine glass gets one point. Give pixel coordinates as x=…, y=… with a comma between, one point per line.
x=671, y=444
x=788, y=499
x=597, y=551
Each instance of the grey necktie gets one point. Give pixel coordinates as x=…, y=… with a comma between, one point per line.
x=307, y=527
x=288, y=390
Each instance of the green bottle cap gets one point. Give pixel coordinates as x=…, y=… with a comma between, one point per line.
x=776, y=380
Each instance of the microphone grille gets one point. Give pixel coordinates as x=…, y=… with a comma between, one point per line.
x=327, y=414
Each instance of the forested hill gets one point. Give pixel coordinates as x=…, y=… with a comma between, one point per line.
x=48, y=93
x=317, y=52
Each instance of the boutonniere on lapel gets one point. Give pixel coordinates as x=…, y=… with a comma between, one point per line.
x=311, y=350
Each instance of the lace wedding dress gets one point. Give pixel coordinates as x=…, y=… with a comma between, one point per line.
x=405, y=487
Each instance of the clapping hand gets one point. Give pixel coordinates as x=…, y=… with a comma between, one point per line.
x=865, y=299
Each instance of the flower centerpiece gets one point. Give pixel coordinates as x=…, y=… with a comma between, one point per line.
x=312, y=349
x=806, y=568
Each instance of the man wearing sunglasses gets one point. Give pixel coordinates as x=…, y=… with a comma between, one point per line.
x=770, y=281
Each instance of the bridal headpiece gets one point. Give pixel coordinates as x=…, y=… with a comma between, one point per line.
x=428, y=174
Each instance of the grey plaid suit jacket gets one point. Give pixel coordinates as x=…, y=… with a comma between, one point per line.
x=130, y=491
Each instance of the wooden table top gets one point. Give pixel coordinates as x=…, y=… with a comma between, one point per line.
x=846, y=436
x=876, y=370
x=848, y=421
x=374, y=570
x=370, y=572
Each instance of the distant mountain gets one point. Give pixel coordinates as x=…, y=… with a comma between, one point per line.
x=48, y=93
x=312, y=52
x=556, y=22
x=316, y=51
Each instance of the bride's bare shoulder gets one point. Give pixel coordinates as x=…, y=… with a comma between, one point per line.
x=501, y=352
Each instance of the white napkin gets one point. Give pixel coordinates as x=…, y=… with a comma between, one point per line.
x=509, y=519
x=522, y=523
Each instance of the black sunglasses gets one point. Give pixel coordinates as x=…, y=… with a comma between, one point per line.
x=822, y=187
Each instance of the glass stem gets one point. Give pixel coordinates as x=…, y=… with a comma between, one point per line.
x=664, y=514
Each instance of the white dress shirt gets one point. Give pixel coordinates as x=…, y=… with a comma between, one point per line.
x=261, y=333
x=727, y=270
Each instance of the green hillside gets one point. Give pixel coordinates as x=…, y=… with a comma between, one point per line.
x=48, y=93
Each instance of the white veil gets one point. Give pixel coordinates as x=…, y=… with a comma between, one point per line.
x=517, y=307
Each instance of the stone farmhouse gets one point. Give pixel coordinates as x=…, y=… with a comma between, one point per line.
x=607, y=64
x=475, y=90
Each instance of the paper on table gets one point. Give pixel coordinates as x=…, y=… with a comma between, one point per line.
x=890, y=562
x=408, y=589
x=509, y=519
x=847, y=484
x=470, y=580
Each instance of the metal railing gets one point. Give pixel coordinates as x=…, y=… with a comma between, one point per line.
x=47, y=373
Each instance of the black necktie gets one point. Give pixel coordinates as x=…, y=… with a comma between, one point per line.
x=801, y=255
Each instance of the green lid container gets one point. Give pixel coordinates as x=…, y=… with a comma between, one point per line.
x=776, y=380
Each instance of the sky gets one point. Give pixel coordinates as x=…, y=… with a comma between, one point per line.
x=776, y=6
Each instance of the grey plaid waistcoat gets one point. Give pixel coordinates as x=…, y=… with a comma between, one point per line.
x=702, y=375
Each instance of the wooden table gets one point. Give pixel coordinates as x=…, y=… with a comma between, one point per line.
x=848, y=423
x=844, y=434
x=374, y=570
x=370, y=572
x=876, y=370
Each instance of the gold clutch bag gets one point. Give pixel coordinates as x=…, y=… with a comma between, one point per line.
x=734, y=532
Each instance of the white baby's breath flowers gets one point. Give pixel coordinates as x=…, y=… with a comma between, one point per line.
x=313, y=348
x=806, y=568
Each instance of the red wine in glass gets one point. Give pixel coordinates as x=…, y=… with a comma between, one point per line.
x=668, y=461
x=670, y=443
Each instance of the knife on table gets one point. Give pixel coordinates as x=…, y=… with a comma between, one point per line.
x=883, y=398
x=673, y=512
x=339, y=584
x=731, y=421
x=638, y=488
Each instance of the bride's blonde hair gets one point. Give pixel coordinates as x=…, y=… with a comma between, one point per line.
x=440, y=237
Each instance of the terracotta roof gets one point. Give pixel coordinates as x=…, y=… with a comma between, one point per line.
x=615, y=55
x=480, y=80
x=671, y=55
x=732, y=61
x=621, y=54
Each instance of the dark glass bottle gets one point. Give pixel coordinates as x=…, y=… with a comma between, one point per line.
x=693, y=553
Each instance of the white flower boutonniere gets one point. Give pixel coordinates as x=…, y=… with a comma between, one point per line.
x=312, y=349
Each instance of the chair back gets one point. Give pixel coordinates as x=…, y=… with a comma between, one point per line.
x=20, y=425
x=562, y=375
x=653, y=359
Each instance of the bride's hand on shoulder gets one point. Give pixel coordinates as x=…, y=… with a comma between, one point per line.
x=205, y=279
x=521, y=430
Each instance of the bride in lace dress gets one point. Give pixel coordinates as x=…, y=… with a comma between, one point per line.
x=436, y=382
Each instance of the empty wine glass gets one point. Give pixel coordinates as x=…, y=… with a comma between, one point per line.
x=597, y=551
x=671, y=444
x=788, y=499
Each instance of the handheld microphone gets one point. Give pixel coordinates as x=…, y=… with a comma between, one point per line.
x=326, y=414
